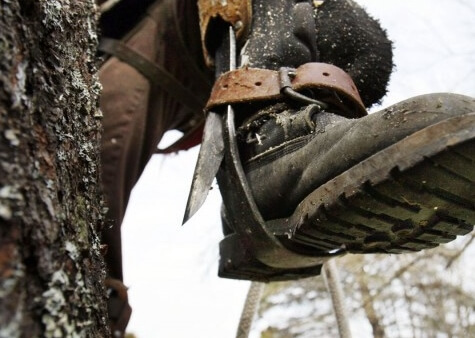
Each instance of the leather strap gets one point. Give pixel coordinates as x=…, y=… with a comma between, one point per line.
x=157, y=76
x=329, y=84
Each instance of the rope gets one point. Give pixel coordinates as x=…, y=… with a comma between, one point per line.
x=249, y=310
x=332, y=280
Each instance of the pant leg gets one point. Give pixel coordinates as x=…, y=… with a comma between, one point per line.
x=124, y=103
x=136, y=114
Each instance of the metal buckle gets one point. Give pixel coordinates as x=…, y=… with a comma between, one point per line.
x=287, y=90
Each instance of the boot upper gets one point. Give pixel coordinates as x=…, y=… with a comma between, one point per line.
x=281, y=175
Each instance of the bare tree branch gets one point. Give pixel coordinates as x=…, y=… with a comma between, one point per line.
x=460, y=251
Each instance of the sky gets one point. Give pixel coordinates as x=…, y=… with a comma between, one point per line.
x=171, y=270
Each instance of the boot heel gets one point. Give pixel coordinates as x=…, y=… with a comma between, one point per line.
x=237, y=262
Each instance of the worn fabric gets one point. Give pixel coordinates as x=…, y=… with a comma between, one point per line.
x=136, y=115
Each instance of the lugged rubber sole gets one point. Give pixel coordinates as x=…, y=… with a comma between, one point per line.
x=414, y=195
x=411, y=210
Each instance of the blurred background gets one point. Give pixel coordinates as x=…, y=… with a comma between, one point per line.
x=171, y=270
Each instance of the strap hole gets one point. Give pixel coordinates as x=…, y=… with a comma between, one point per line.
x=258, y=83
x=326, y=74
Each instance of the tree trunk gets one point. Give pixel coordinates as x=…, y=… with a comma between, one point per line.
x=51, y=269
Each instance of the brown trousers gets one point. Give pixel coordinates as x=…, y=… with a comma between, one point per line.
x=137, y=114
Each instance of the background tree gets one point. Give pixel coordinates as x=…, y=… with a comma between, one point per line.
x=51, y=269
x=428, y=294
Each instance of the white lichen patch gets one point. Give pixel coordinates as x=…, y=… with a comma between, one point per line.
x=55, y=300
x=11, y=135
x=5, y=212
x=60, y=326
x=61, y=155
x=56, y=320
x=98, y=113
x=78, y=83
x=53, y=10
x=72, y=250
x=8, y=193
x=18, y=94
x=11, y=192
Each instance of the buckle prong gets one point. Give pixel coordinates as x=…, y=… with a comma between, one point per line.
x=287, y=90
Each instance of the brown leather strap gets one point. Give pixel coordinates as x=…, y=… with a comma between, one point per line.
x=329, y=84
x=154, y=73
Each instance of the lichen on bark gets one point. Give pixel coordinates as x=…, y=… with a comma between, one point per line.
x=51, y=211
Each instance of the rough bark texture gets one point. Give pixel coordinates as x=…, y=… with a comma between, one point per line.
x=51, y=270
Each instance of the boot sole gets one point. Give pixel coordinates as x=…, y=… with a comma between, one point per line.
x=414, y=195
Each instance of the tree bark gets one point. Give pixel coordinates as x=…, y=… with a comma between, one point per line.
x=51, y=269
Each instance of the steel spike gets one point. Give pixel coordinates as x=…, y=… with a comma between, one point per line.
x=211, y=152
x=209, y=160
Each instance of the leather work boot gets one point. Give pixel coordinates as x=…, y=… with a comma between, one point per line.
x=304, y=181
